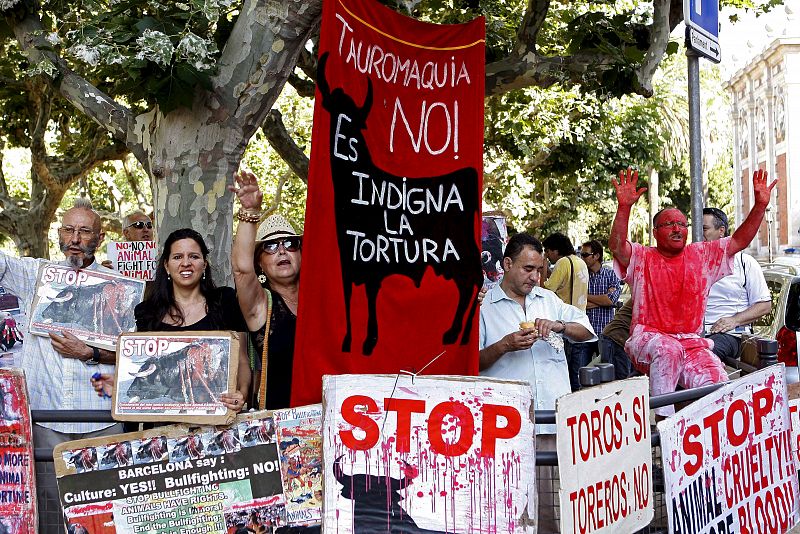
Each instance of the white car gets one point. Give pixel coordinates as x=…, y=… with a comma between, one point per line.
x=783, y=321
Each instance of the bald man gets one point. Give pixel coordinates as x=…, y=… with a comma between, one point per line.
x=58, y=369
x=670, y=284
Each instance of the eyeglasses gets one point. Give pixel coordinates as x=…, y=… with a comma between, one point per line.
x=586, y=254
x=679, y=224
x=289, y=244
x=69, y=231
x=141, y=224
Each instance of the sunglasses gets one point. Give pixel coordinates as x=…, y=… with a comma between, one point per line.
x=141, y=224
x=289, y=244
x=586, y=254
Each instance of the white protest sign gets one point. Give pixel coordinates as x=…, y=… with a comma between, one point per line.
x=604, y=458
x=136, y=259
x=433, y=454
x=794, y=415
x=728, y=464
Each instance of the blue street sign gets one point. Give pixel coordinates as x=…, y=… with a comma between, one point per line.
x=703, y=15
x=702, y=27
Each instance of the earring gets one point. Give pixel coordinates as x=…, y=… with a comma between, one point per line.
x=169, y=277
x=262, y=278
x=204, y=275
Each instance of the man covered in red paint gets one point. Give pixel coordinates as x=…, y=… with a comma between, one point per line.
x=670, y=284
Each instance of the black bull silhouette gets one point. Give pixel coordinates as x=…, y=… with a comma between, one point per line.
x=190, y=374
x=347, y=121
x=376, y=503
x=97, y=308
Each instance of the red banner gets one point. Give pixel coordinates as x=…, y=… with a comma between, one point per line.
x=394, y=196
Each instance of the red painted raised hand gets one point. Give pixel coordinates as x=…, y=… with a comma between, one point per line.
x=761, y=191
x=627, y=194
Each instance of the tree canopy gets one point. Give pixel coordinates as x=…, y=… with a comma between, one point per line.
x=184, y=86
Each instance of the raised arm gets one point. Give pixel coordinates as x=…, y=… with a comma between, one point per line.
x=627, y=195
x=747, y=230
x=251, y=297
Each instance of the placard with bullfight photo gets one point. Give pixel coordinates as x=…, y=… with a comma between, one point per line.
x=96, y=306
x=162, y=376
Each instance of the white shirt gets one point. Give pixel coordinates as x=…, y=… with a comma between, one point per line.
x=737, y=292
x=54, y=382
x=543, y=365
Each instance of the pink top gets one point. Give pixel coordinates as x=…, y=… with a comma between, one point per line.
x=670, y=294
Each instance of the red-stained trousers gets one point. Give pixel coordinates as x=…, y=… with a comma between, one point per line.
x=672, y=359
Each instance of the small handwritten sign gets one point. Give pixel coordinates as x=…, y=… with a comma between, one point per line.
x=136, y=259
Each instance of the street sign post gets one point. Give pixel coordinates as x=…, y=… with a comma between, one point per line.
x=702, y=27
x=702, y=39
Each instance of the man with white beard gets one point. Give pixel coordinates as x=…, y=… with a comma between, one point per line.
x=57, y=370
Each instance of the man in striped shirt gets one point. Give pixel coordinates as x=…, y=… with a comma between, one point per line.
x=604, y=287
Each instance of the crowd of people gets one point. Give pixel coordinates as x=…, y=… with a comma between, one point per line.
x=535, y=325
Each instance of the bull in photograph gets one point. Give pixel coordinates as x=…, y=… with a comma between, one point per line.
x=188, y=448
x=97, y=308
x=83, y=459
x=151, y=450
x=347, y=122
x=376, y=501
x=259, y=432
x=196, y=373
x=117, y=455
x=224, y=442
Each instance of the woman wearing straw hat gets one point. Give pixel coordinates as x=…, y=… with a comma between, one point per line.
x=267, y=257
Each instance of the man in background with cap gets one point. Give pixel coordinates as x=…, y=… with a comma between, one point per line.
x=735, y=301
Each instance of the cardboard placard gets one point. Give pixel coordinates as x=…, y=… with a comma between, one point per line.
x=425, y=454
x=728, y=463
x=299, y=433
x=174, y=479
x=136, y=259
x=175, y=377
x=95, y=306
x=17, y=479
x=494, y=236
x=604, y=457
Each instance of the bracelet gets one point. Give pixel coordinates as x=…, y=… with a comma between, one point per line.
x=253, y=217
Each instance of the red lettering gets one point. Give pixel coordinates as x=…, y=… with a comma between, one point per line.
x=466, y=427
x=714, y=419
x=359, y=420
x=571, y=425
x=491, y=432
x=638, y=419
x=762, y=405
x=404, y=409
x=692, y=448
x=597, y=443
x=737, y=439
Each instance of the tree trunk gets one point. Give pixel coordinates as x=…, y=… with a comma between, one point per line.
x=192, y=159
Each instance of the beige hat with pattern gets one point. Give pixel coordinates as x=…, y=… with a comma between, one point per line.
x=275, y=227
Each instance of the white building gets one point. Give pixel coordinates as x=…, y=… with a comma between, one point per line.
x=765, y=96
